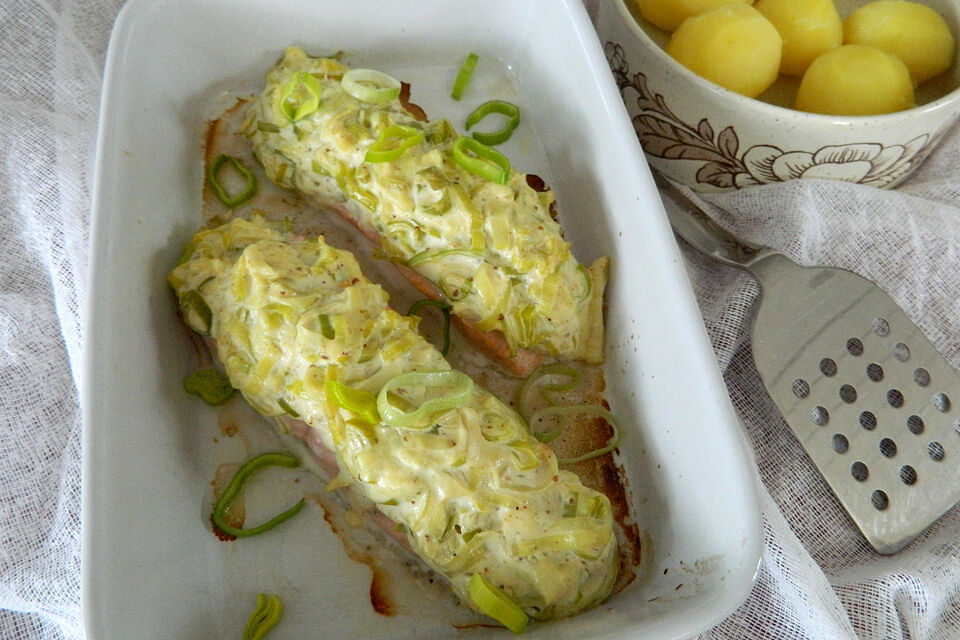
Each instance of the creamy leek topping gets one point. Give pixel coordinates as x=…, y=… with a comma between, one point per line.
x=492, y=249
x=474, y=491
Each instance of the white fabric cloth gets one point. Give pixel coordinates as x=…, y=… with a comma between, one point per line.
x=51, y=61
x=819, y=579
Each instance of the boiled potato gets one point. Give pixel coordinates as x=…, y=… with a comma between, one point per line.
x=854, y=80
x=668, y=14
x=913, y=32
x=732, y=45
x=809, y=28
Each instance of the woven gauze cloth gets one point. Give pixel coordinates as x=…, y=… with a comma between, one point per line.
x=819, y=580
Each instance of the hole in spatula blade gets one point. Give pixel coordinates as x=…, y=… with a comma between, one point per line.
x=942, y=402
x=880, y=500
x=859, y=471
x=895, y=398
x=801, y=388
x=901, y=352
x=828, y=367
x=915, y=425
x=840, y=443
x=848, y=394
x=820, y=415
x=881, y=327
x=868, y=421
x=888, y=448
x=908, y=475
x=875, y=372
x=936, y=451
x=854, y=347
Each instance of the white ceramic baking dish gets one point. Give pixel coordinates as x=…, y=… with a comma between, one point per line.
x=151, y=568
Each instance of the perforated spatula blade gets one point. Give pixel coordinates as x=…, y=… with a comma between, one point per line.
x=864, y=391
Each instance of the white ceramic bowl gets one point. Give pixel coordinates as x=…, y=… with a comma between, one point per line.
x=712, y=139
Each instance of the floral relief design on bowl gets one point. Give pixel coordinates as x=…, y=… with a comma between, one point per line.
x=664, y=135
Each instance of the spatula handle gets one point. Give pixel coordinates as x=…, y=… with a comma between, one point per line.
x=691, y=224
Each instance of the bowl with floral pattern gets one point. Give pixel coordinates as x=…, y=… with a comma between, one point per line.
x=713, y=140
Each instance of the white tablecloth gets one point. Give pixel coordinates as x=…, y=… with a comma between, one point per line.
x=819, y=579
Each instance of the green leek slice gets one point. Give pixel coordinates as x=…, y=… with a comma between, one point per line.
x=486, y=162
x=495, y=603
x=380, y=151
x=464, y=75
x=543, y=371
x=445, y=308
x=440, y=207
x=455, y=287
x=300, y=96
x=370, y=85
x=510, y=110
x=316, y=167
x=347, y=181
x=424, y=256
x=584, y=536
x=491, y=287
x=477, y=239
x=524, y=455
x=233, y=489
x=326, y=328
x=196, y=312
x=264, y=618
x=250, y=182
x=363, y=403
x=589, y=409
x=460, y=390
x=442, y=132
x=210, y=385
x=287, y=408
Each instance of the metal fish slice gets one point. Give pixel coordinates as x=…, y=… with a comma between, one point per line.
x=865, y=392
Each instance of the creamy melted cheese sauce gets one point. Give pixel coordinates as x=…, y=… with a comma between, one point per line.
x=475, y=492
x=493, y=250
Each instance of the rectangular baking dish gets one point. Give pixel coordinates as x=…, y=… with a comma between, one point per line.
x=151, y=569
